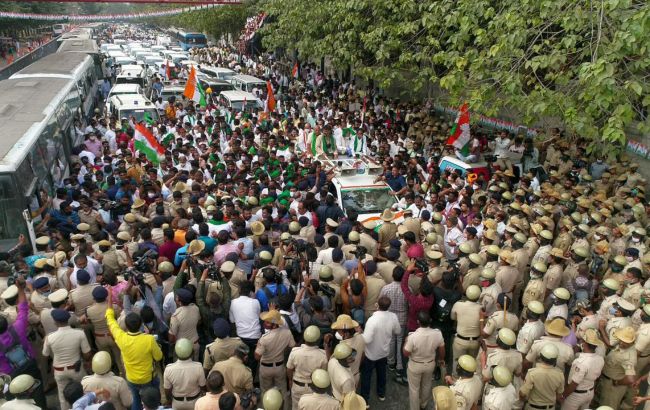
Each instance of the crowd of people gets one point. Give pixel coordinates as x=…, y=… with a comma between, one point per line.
x=227, y=276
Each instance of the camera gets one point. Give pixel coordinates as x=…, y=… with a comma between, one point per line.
x=327, y=290
x=360, y=252
x=111, y=204
x=422, y=265
x=213, y=271
x=132, y=272
x=246, y=399
x=142, y=263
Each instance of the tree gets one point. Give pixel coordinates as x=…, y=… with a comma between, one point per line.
x=585, y=62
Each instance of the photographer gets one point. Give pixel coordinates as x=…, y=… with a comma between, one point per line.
x=213, y=297
x=272, y=289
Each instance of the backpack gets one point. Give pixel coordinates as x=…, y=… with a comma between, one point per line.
x=270, y=297
x=297, y=336
x=356, y=312
x=14, y=352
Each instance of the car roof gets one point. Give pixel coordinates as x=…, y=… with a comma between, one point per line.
x=239, y=95
x=359, y=182
x=125, y=87
x=248, y=78
x=463, y=164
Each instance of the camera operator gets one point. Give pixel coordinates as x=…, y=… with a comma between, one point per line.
x=213, y=297
x=273, y=288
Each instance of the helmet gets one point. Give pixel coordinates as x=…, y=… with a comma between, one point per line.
x=166, y=267
x=183, y=348
x=272, y=399
x=536, y=307
x=285, y=236
x=540, y=266
x=493, y=249
x=476, y=258
x=473, y=292
x=465, y=247
x=21, y=383
x=325, y=272
x=353, y=236
x=488, y=273
x=266, y=256
x=501, y=375
x=320, y=378
x=581, y=251
x=507, y=336
x=431, y=238
x=549, y=351
x=101, y=362
x=342, y=351
x=562, y=293
x=294, y=227
x=311, y=334
x=467, y=363
x=611, y=284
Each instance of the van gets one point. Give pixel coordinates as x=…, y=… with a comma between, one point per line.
x=247, y=83
x=235, y=100
x=132, y=74
x=220, y=73
x=122, y=89
x=136, y=106
x=217, y=86
x=355, y=188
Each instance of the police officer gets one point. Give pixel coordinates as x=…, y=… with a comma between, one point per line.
x=338, y=368
x=545, y=382
x=559, y=308
x=120, y=395
x=237, y=377
x=273, y=399
x=472, y=277
x=66, y=346
x=96, y=314
x=535, y=288
x=466, y=314
x=320, y=398
x=533, y=328
x=22, y=388
x=468, y=385
x=184, y=380
x=422, y=347
x=585, y=370
x=619, y=371
x=503, y=354
x=642, y=344
x=499, y=319
x=271, y=349
x=302, y=362
x=184, y=321
x=500, y=394
x=490, y=291
x=556, y=330
x=223, y=346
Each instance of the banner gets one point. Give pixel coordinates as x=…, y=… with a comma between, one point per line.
x=489, y=122
x=98, y=17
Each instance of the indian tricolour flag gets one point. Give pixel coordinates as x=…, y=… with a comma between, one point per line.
x=460, y=136
x=193, y=89
x=146, y=143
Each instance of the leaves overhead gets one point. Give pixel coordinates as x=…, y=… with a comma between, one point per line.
x=585, y=62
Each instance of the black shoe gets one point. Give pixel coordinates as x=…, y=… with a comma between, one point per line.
x=381, y=398
x=392, y=367
x=437, y=373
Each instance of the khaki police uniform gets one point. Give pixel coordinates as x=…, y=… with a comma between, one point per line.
x=609, y=301
x=117, y=387
x=422, y=346
x=585, y=370
x=507, y=277
x=387, y=231
x=237, y=377
x=303, y=360
x=185, y=378
x=316, y=401
x=469, y=389
x=82, y=297
x=472, y=277
x=374, y=284
x=510, y=359
x=642, y=346
x=39, y=302
x=500, y=398
x=488, y=298
x=553, y=277
x=529, y=332
x=220, y=350
x=96, y=314
x=357, y=344
x=633, y=293
x=619, y=363
x=385, y=270
x=271, y=347
x=614, y=324
x=369, y=243
x=65, y=346
x=183, y=325
x=341, y=378
x=468, y=328
x=413, y=225
x=565, y=356
x=496, y=322
x=542, y=385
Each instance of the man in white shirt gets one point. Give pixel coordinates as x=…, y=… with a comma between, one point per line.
x=245, y=314
x=453, y=238
x=380, y=328
x=90, y=265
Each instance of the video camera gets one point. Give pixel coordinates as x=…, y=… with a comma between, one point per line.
x=141, y=265
x=360, y=252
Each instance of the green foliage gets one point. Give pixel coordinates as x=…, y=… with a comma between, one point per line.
x=585, y=62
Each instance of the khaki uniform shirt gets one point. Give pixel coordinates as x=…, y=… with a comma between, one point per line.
x=341, y=378
x=496, y=322
x=65, y=346
x=357, y=343
x=542, y=385
x=488, y=298
x=184, y=321
x=184, y=377
x=529, y=332
x=614, y=324
x=435, y=274
x=542, y=254
x=237, y=377
x=642, y=343
x=423, y=344
x=39, y=302
x=387, y=231
x=96, y=314
x=220, y=350
x=632, y=294
x=620, y=363
x=304, y=360
x=374, y=283
x=521, y=259
x=119, y=390
x=369, y=243
x=553, y=277
x=472, y=277
x=470, y=389
x=466, y=314
x=273, y=344
x=500, y=398
x=565, y=357
x=507, y=277
x=20, y=404
x=385, y=270
x=603, y=311
x=339, y=273
x=563, y=241
x=413, y=225
x=511, y=359
x=82, y=297
x=585, y=370
x=535, y=290
x=315, y=401
x=532, y=246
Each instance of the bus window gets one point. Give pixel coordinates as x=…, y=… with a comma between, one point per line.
x=11, y=208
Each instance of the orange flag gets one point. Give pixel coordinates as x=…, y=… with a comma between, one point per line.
x=270, y=98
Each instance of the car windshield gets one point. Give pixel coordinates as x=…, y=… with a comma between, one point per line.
x=368, y=201
x=139, y=114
